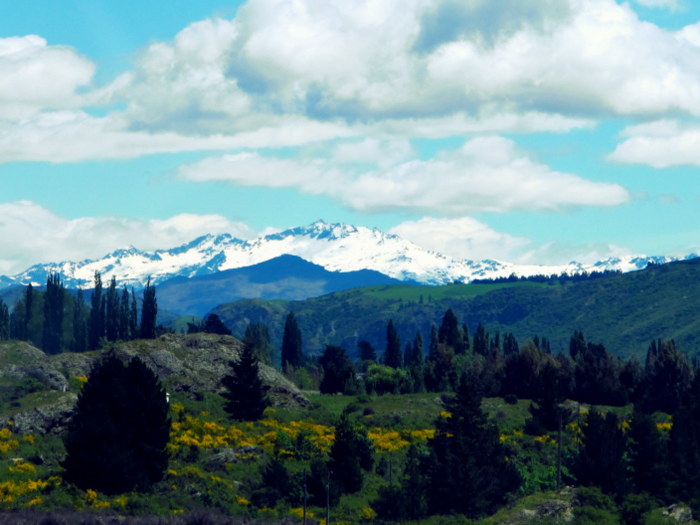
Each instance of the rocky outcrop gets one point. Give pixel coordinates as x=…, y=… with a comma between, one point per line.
x=190, y=364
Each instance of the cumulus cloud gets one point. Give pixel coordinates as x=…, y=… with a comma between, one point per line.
x=485, y=174
x=660, y=144
x=31, y=233
x=36, y=76
x=288, y=73
x=462, y=238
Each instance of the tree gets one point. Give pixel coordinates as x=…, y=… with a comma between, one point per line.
x=413, y=357
x=292, y=355
x=52, y=337
x=257, y=336
x=96, y=323
x=467, y=470
x=28, y=312
x=350, y=454
x=116, y=440
x=246, y=396
x=600, y=461
x=392, y=354
x=149, y=312
x=449, y=332
x=338, y=372
x=79, y=341
x=4, y=321
x=214, y=325
x=112, y=311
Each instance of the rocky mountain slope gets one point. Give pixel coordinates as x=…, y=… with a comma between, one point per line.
x=192, y=364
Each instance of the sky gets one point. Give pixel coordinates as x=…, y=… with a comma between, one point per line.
x=534, y=132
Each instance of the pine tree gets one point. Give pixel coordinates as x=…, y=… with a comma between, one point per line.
x=124, y=332
x=149, y=312
x=467, y=470
x=392, y=354
x=350, y=455
x=292, y=355
x=481, y=341
x=52, y=337
x=116, y=440
x=214, y=325
x=246, y=396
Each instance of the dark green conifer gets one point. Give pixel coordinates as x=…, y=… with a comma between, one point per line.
x=246, y=396
x=338, y=372
x=467, y=469
x=79, y=342
x=116, y=440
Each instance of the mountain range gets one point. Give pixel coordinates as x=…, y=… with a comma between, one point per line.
x=334, y=247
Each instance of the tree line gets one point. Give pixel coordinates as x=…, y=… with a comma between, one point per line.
x=57, y=321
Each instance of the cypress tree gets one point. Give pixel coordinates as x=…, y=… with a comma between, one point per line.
x=392, y=354
x=149, y=312
x=246, y=396
x=449, y=332
x=338, y=372
x=292, y=355
x=116, y=440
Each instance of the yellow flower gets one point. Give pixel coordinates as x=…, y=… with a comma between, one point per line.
x=34, y=501
x=445, y=414
x=242, y=501
x=22, y=468
x=367, y=514
x=82, y=379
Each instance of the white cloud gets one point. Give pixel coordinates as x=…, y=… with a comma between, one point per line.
x=485, y=174
x=659, y=144
x=30, y=234
x=34, y=76
x=462, y=238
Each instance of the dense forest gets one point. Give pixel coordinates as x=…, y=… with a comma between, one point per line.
x=459, y=423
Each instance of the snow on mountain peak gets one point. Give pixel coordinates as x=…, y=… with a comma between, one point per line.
x=336, y=247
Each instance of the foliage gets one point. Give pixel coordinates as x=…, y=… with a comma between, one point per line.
x=338, y=372
x=292, y=354
x=149, y=312
x=246, y=397
x=116, y=441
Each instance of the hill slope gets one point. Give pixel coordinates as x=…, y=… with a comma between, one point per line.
x=624, y=311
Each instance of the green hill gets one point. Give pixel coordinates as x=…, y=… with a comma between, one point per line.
x=622, y=311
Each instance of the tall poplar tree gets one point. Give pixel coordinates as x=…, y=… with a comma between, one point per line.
x=96, y=324
x=4, y=321
x=52, y=336
x=79, y=343
x=112, y=311
x=392, y=354
x=149, y=312
x=292, y=355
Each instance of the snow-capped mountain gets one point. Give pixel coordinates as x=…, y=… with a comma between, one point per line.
x=336, y=247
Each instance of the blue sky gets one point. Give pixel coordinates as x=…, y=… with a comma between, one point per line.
x=536, y=132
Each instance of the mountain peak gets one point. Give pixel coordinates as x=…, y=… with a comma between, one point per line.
x=337, y=247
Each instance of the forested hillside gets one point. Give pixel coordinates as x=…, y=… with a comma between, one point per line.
x=622, y=311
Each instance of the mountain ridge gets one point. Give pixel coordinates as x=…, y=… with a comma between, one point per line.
x=337, y=247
